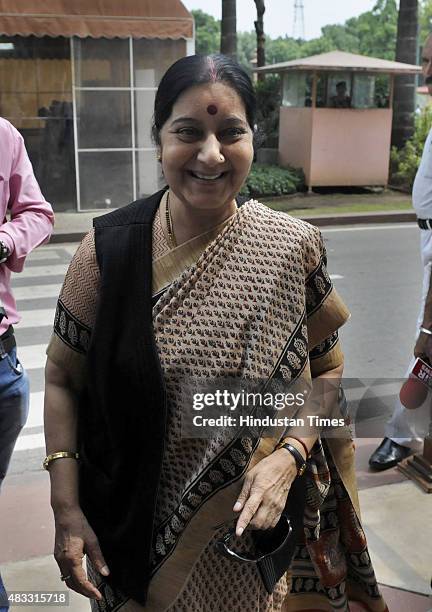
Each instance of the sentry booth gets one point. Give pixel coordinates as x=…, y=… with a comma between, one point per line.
x=336, y=117
x=78, y=80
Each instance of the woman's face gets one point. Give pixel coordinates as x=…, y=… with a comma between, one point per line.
x=207, y=146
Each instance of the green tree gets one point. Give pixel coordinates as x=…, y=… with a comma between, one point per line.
x=207, y=33
x=269, y=100
x=246, y=49
x=282, y=50
x=340, y=37
x=405, y=161
x=376, y=30
x=425, y=19
x=372, y=33
x=316, y=46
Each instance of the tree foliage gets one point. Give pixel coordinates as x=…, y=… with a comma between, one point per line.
x=207, y=33
x=376, y=30
x=372, y=33
x=405, y=161
x=425, y=19
x=268, y=94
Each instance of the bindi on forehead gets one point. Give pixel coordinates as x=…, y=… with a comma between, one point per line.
x=212, y=109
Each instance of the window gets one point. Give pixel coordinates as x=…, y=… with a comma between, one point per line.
x=36, y=97
x=152, y=58
x=115, y=87
x=297, y=89
x=364, y=91
x=102, y=62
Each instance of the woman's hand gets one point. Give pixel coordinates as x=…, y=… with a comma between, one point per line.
x=73, y=539
x=265, y=490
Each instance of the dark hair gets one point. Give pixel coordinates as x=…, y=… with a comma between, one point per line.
x=198, y=70
x=341, y=84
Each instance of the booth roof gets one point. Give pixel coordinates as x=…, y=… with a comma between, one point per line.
x=96, y=18
x=342, y=61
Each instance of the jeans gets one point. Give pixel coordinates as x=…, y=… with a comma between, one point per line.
x=14, y=405
x=3, y=606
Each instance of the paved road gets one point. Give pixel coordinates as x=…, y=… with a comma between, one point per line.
x=381, y=285
x=376, y=270
x=36, y=290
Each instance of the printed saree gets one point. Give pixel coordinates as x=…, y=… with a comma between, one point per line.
x=250, y=299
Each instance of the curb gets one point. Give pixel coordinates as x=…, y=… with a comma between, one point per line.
x=318, y=220
x=60, y=237
x=362, y=218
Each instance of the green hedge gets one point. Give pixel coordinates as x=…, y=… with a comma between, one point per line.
x=267, y=180
x=405, y=162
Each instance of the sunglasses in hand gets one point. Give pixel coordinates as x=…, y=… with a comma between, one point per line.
x=274, y=548
x=267, y=543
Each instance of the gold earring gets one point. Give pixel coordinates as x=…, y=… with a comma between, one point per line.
x=159, y=156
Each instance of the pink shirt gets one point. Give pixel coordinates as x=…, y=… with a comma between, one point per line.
x=31, y=217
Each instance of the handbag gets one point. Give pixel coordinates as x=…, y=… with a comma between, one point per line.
x=276, y=544
x=274, y=547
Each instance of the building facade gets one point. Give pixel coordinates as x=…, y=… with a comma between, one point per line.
x=80, y=88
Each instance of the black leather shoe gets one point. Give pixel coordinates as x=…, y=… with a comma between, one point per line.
x=388, y=454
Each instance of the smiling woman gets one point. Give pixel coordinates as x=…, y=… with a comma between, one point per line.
x=193, y=284
x=206, y=156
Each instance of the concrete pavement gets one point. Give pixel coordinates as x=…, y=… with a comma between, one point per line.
x=397, y=518
x=72, y=226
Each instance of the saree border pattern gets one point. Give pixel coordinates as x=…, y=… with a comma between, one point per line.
x=318, y=287
x=112, y=598
x=324, y=347
x=71, y=330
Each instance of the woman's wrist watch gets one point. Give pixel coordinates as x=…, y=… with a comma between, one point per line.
x=4, y=252
x=300, y=462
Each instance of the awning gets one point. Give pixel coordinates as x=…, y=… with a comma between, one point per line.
x=96, y=18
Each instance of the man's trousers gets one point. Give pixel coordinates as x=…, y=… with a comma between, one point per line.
x=406, y=427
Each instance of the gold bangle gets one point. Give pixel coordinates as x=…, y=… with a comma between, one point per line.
x=59, y=455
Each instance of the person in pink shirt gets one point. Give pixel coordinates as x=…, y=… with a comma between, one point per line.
x=26, y=222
